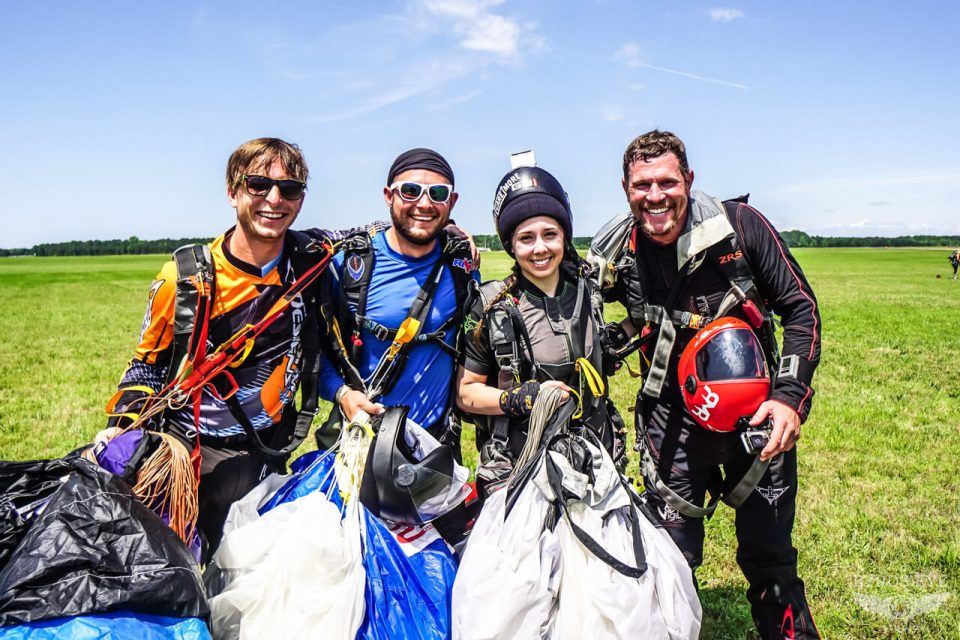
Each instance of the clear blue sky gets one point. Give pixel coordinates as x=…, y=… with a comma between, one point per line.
x=117, y=116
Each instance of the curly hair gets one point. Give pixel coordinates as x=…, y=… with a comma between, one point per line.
x=654, y=144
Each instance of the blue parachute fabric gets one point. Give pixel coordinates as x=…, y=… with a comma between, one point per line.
x=410, y=573
x=410, y=570
x=118, y=625
x=310, y=472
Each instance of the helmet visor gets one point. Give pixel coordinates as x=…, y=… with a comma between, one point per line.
x=734, y=354
x=426, y=481
x=432, y=491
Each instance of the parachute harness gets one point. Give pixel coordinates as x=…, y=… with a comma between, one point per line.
x=168, y=478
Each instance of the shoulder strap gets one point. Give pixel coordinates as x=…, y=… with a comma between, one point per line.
x=196, y=286
x=303, y=257
x=354, y=275
x=611, y=249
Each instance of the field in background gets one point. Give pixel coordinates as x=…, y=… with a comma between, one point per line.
x=878, y=526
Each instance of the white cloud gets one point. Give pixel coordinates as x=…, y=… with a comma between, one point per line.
x=612, y=113
x=629, y=54
x=724, y=14
x=495, y=34
x=902, y=180
x=415, y=81
x=479, y=28
x=455, y=101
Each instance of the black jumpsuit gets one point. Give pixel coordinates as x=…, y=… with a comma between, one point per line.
x=689, y=457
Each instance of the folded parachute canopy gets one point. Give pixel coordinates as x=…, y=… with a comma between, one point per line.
x=25, y=487
x=96, y=548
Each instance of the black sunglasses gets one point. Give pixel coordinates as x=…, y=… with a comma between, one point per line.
x=261, y=186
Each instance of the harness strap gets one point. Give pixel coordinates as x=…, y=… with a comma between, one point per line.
x=381, y=332
x=742, y=490
x=358, y=262
x=666, y=337
x=196, y=286
x=385, y=373
x=555, y=479
x=732, y=498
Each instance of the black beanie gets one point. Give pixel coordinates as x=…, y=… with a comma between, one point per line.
x=420, y=159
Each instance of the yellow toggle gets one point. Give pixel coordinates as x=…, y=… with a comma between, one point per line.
x=247, y=347
x=594, y=382
x=579, y=398
x=407, y=332
x=593, y=378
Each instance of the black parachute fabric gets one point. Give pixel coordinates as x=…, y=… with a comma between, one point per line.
x=24, y=488
x=97, y=548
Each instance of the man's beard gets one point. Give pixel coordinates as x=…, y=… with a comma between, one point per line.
x=408, y=234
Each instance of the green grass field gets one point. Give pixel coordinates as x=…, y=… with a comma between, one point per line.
x=878, y=527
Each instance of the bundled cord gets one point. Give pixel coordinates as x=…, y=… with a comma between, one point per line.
x=548, y=400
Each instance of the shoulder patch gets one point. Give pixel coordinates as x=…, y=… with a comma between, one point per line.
x=470, y=324
x=354, y=266
x=463, y=263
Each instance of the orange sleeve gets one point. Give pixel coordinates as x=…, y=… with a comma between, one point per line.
x=156, y=332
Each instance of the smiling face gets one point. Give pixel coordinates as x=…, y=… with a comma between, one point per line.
x=262, y=221
x=537, y=245
x=658, y=192
x=417, y=224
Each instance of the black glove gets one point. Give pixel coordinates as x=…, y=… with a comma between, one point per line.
x=613, y=338
x=518, y=401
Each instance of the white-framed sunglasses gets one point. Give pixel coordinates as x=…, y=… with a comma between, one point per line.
x=413, y=191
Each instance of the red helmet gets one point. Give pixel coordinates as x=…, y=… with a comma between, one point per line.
x=723, y=374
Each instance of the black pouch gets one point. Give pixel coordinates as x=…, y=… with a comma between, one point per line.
x=496, y=463
x=328, y=432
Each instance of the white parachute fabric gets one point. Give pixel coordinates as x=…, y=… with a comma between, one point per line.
x=518, y=578
x=597, y=600
x=294, y=572
x=509, y=576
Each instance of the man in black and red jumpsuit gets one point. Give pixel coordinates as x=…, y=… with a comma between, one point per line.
x=657, y=181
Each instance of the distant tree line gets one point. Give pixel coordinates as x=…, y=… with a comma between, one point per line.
x=801, y=239
x=131, y=246
x=135, y=246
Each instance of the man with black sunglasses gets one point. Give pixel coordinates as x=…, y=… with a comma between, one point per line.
x=411, y=274
x=249, y=269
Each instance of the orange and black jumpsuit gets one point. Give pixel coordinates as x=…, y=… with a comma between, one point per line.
x=267, y=379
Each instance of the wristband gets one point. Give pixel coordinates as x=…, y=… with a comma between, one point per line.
x=518, y=401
